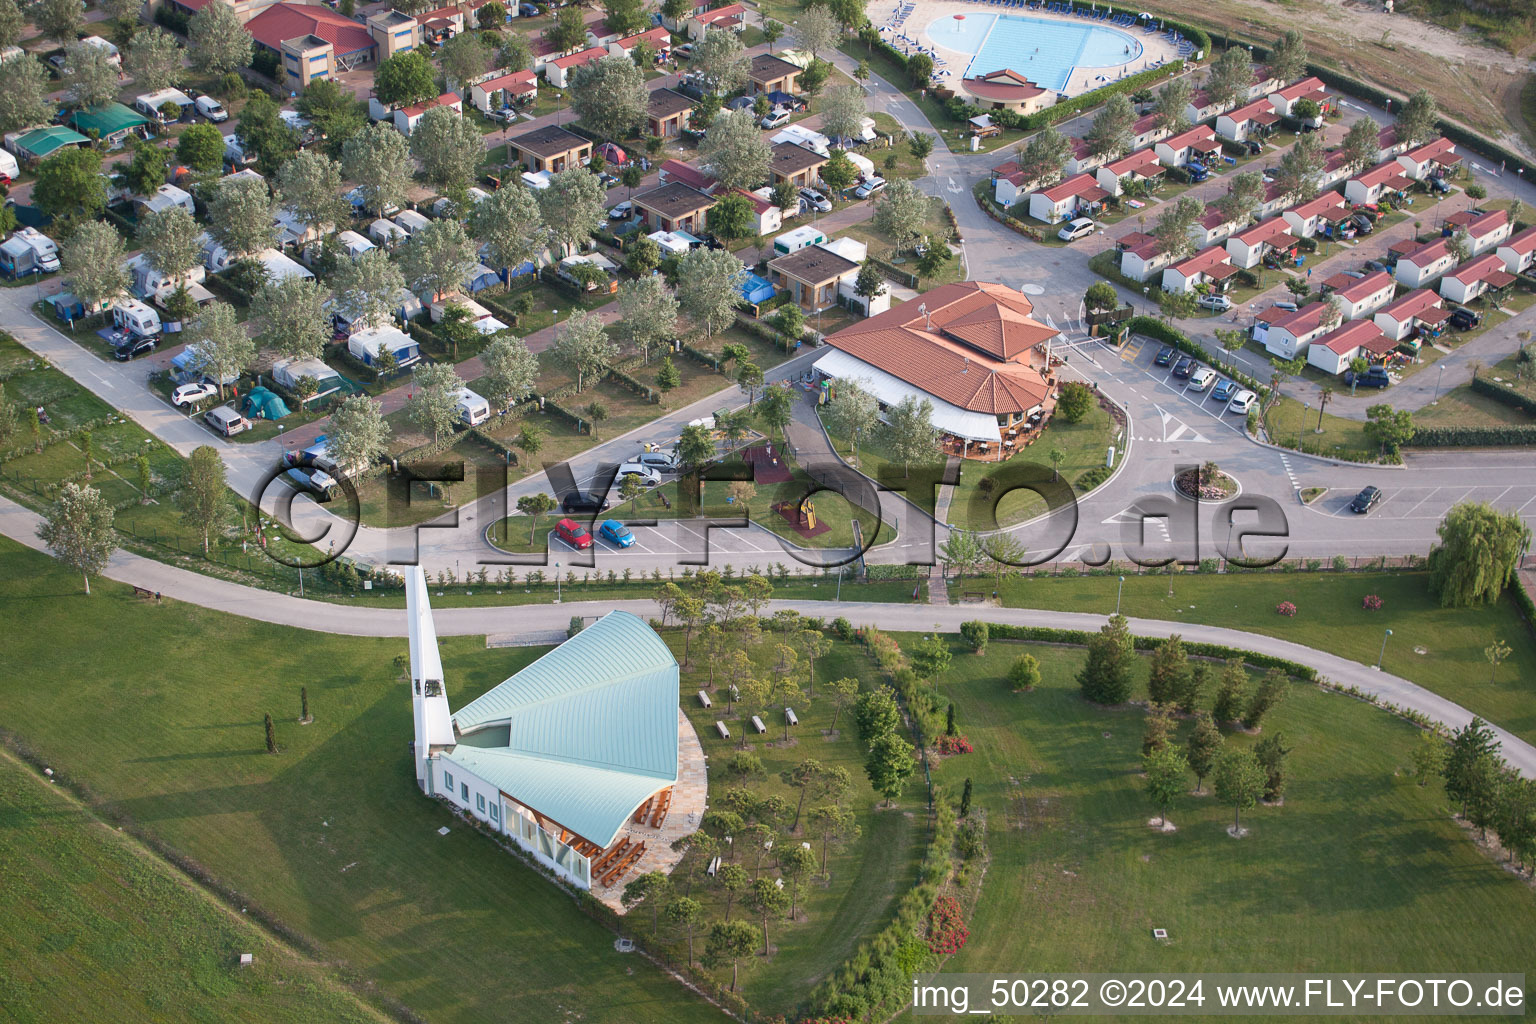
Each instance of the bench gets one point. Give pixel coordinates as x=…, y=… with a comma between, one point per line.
x=147, y=595
x=725, y=733
x=704, y=699
x=757, y=723
x=789, y=716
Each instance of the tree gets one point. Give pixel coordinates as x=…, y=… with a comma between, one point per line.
x=1472, y=746
x=153, y=59
x=1361, y=143
x=1271, y=751
x=910, y=432
x=508, y=224
x=788, y=321
x=843, y=110
x=1024, y=673
x=1169, y=672
x=597, y=412
x=1231, y=692
x=1476, y=556
x=889, y=764
x=223, y=348
x=962, y=553
x=309, y=185
x=930, y=657
x=647, y=314
x=1110, y=132
x=1300, y=166
x=818, y=29
x=145, y=172
x=644, y=257
x=721, y=61
x=78, y=530
x=241, y=215
x=934, y=257
x=510, y=369
x=434, y=403
x=1100, y=297
x=1240, y=781
x=685, y=912
x=264, y=135
x=1460, y=244
x=920, y=70
x=1390, y=428
x=839, y=173
x=89, y=74
x=901, y=212
x=1231, y=76
x=709, y=281
x=438, y=258
x=204, y=495
x=796, y=865
x=653, y=889
x=449, y=147
x=201, y=148
x=920, y=144
x=569, y=30
x=810, y=774
x=1106, y=676
x=334, y=113
x=695, y=447
x=404, y=78
x=729, y=940
x=1203, y=747
x=1419, y=120
x=768, y=900
x=1270, y=692
x=1172, y=98
x=1288, y=57
x=732, y=217
x=12, y=21
x=870, y=283
x=609, y=95
x=735, y=150
x=1043, y=157
x=93, y=256
x=583, y=347
x=379, y=159
x=1172, y=230
x=773, y=31
x=60, y=20
x=851, y=413
x=572, y=207
x=833, y=825
x=1076, y=401
x=367, y=289
x=463, y=59
x=1429, y=756
x=24, y=88
x=70, y=183
x=776, y=408
x=1165, y=769
x=293, y=317
x=1057, y=456
x=1244, y=192
x=216, y=40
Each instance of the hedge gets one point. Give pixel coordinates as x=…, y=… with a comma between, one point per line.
x=1473, y=437
x=221, y=287
x=639, y=387
x=1504, y=393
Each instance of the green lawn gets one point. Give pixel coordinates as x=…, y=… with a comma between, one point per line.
x=1360, y=870
x=1329, y=616
x=936, y=226
x=331, y=837
x=98, y=928
x=1287, y=420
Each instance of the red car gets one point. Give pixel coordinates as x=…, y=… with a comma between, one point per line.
x=573, y=533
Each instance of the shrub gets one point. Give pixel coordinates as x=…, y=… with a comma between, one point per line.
x=843, y=629
x=975, y=634
x=1340, y=563
x=1285, y=608
x=954, y=745
x=1075, y=401
x=1372, y=603
x=946, y=928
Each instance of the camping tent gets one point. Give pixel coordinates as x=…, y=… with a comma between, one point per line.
x=756, y=290
x=260, y=403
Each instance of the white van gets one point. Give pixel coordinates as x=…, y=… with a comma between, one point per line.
x=473, y=410
x=225, y=420
x=1081, y=227
x=136, y=318
x=212, y=109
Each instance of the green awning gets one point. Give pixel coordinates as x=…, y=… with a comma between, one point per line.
x=44, y=141
x=107, y=120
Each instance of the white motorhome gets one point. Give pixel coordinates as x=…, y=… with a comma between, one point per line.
x=115, y=58
x=135, y=318
x=150, y=284
x=473, y=410
x=46, y=250
x=150, y=103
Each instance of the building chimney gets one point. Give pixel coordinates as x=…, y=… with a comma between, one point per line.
x=967, y=365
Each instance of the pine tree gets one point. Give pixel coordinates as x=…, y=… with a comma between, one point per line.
x=1271, y=751
x=1231, y=693
x=271, y=736
x=303, y=703
x=1204, y=745
x=1106, y=676
x=1271, y=691
x=965, y=799
x=1170, y=671
x=1194, y=688
x=1159, y=726
x=949, y=722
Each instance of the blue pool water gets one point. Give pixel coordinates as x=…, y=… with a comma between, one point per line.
x=1044, y=51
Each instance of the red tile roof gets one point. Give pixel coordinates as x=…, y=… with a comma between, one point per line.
x=1350, y=335
x=1441, y=150
x=1429, y=252
x=1271, y=231
x=1189, y=138
x=656, y=38
x=1522, y=243
x=1082, y=185
x=676, y=170
x=1478, y=269
x=447, y=99
x=1252, y=111
x=290, y=21
x=586, y=56
x=959, y=350
x=1414, y=304
x=721, y=14
x=1479, y=224
x=1366, y=286
x=1322, y=204
x=1143, y=124
x=1381, y=174
x=1304, y=88
x=1142, y=162
x=1003, y=84
x=759, y=205
x=1202, y=261
x=517, y=82
x=1302, y=321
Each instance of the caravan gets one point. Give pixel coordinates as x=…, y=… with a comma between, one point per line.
x=153, y=105
x=45, y=251
x=135, y=319
x=473, y=410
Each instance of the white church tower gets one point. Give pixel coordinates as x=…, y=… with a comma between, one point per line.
x=434, y=723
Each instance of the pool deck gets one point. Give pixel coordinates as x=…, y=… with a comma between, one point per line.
x=1155, y=46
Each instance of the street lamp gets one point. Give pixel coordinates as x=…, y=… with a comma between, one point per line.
x=1438, y=379
x=1383, y=653
x=557, y=583
x=1118, y=592
x=839, y=583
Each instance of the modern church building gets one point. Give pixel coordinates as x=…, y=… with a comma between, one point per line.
x=575, y=757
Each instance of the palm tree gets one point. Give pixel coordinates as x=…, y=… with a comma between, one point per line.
x=1323, y=394
x=1055, y=455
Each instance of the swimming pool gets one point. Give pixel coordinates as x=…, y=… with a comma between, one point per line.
x=1045, y=52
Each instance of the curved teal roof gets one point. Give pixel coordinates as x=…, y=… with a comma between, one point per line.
x=590, y=729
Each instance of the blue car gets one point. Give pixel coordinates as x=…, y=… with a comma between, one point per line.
x=1224, y=390
x=1197, y=172
x=616, y=532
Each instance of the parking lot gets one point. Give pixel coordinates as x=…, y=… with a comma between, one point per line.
x=1429, y=503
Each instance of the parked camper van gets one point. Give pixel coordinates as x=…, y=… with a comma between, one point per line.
x=135, y=318
x=473, y=410
x=46, y=250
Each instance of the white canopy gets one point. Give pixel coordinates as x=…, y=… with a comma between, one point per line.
x=891, y=390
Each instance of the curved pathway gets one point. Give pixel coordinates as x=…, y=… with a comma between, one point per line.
x=540, y=622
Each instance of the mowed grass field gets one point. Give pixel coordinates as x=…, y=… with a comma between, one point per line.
x=157, y=710
x=1361, y=869
x=98, y=928
x=1438, y=648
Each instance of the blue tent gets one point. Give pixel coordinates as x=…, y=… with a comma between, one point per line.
x=756, y=290
x=779, y=98
x=260, y=403
x=509, y=274
x=480, y=278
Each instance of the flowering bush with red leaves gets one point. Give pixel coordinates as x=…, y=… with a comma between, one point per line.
x=1285, y=608
x=827, y=1020
x=954, y=745
x=1372, y=603
x=946, y=929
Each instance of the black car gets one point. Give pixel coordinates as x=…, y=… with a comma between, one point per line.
x=1164, y=355
x=1184, y=367
x=1375, y=377
x=1253, y=148
x=134, y=349
x=1362, y=223
x=1375, y=265
x=577, y=503
x=1366, y=500
x=1464, y=319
